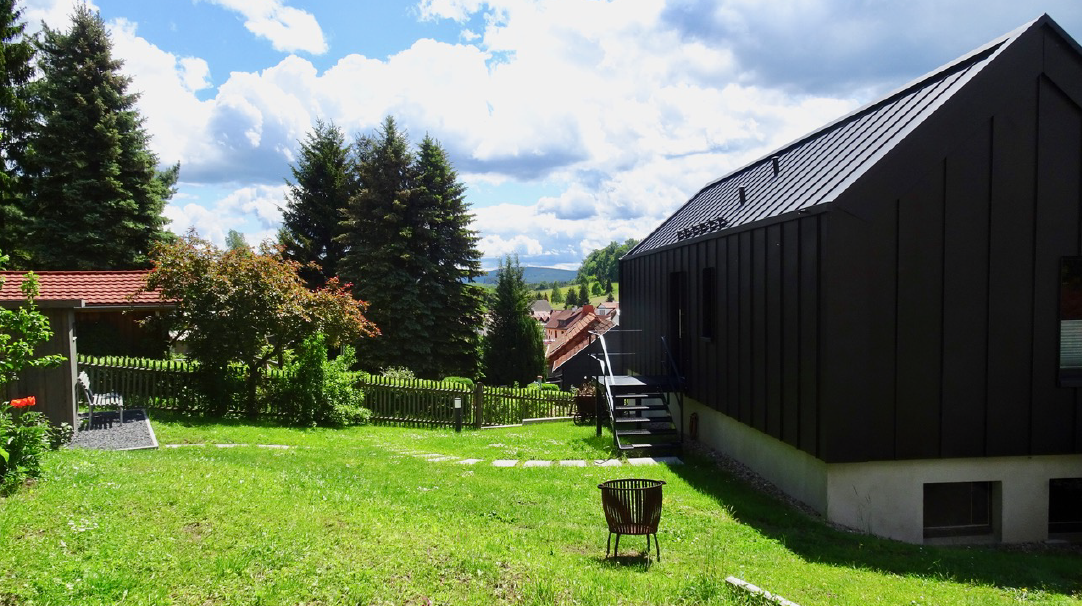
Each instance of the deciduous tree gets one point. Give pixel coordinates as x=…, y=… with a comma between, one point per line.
x=604, y=263
x=240, y=306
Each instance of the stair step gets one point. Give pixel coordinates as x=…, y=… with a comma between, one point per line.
x=646, y=432
x=636, y=396
x=633, y=420
x=649, y=446
x=640, y=407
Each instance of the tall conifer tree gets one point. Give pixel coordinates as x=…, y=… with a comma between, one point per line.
x=380, y=260
x=95, y=182
x=513, y=348
x=16, y=120
x=449, y=260
x=324, y=181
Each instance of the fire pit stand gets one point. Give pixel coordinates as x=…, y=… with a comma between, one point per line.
x=632, y=506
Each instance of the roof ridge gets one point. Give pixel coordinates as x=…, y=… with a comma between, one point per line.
x=942, y=72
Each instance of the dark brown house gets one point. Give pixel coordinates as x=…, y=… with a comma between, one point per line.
x=882, y=318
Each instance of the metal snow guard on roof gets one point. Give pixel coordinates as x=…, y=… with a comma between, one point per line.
x=818, y=168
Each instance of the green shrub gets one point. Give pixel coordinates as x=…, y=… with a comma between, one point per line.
x=22, y=442
x=59, y=435
x=316, y=391
x=458, y=381
x=400, y=373
x=544, y=386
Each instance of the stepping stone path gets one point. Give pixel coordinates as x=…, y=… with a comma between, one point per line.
x=441, y=458
x=438, y=458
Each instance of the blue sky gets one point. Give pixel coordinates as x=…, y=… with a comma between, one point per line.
x=572, y=122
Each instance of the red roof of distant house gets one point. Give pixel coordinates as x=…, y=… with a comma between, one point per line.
x=577, y=337
x=94, y=288
x=567, y=317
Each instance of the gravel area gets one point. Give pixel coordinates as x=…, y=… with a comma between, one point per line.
x=108, y=433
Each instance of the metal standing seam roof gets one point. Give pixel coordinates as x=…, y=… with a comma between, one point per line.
x=94, y=288
x=818, y=168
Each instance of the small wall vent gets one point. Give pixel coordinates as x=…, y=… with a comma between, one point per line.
x=775, y=163
x=743, y=195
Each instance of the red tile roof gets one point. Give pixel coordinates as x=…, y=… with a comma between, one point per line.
x=94, y=288
x=577, y=337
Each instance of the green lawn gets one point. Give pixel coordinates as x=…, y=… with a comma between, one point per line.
x=341, y=518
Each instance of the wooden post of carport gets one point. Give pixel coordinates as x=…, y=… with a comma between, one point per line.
x=54, y=388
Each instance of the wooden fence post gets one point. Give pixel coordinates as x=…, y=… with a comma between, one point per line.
x=479, y=404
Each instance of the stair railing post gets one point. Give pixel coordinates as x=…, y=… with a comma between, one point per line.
x=597, y=408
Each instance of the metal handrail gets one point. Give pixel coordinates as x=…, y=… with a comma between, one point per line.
x=674, y=370
x=606, y=366
x=676, y=386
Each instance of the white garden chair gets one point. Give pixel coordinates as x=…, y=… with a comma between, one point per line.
x=94, y=400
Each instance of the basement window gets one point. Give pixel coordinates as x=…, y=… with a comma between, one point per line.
x=1065, y=506
x=710, y=302
x=957, y=509
x=1070, y=322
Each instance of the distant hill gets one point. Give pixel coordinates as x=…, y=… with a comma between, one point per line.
x=533, y=275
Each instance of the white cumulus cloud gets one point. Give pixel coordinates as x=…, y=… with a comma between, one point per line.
x=287, y=28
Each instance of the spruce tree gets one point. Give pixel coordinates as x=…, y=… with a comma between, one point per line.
x=94, y=181
x=571, y=299
x=584, y=294
x=377, y=232
x=324, y=181
x=513, y=349
x=16, y=120
x=557, y=296
x=449, y=258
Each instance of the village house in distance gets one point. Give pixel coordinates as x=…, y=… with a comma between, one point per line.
x=884, y=318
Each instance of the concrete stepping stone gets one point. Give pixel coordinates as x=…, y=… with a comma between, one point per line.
x=470, y=461
x=441, y=458
x=608, y=463
x=572, y=463
x=537, y=464
x=278, y=446
x=505, y=463
x=228, y=445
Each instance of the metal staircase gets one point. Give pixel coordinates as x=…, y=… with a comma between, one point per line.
x=640, y=408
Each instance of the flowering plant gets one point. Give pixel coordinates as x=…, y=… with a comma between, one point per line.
x=22, y=441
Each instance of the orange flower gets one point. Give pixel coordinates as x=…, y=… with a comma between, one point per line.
x=21, y=402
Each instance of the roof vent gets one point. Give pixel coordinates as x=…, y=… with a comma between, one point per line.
x=743, y=195
x=775, y=162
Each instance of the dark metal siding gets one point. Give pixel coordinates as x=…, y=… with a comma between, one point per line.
x=757, y=368
x=917, y=316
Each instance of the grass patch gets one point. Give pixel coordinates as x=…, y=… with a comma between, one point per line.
x=341, y=519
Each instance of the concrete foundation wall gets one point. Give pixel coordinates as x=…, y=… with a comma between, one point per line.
x=799, y=474
x=886, y=498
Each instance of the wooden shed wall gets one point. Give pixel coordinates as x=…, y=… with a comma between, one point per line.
x=54, y=388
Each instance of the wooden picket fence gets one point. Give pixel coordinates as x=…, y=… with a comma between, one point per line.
x=144, y=383
x=169, y=385
x=431, y=403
